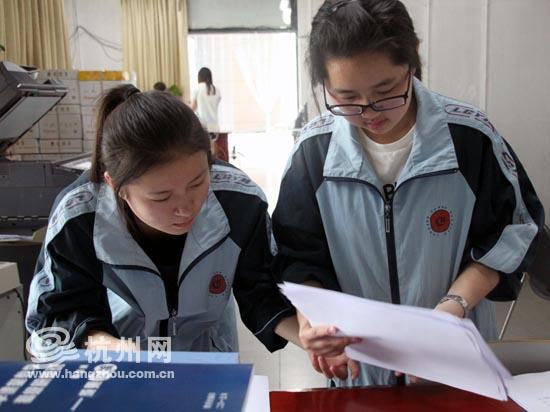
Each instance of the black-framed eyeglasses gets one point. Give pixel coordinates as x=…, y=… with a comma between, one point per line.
x=388, y=103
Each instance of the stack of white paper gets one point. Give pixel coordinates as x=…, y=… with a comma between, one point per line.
x=421, y=342
x=257, y=398
x=531, y=391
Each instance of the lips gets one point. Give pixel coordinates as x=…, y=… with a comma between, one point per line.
x=375, y=124
x=184, y=223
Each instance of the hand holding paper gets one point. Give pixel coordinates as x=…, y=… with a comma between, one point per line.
x=417, y=341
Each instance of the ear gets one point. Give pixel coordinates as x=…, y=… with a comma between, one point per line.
x=108, y=179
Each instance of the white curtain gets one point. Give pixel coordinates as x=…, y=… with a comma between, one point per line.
x=256, y=73
x=155, y=42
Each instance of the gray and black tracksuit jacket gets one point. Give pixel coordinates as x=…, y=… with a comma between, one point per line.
x=462, y=197
x=92, y=275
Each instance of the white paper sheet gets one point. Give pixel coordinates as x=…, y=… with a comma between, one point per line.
x=257, y=399
x=431, y=345
x=531, y=391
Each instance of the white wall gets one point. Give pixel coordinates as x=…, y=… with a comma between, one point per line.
x=492, y=53
x=103, y=19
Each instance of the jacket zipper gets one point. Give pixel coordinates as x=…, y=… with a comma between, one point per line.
x=387, y=197
x=174, y=310
x=389, y=191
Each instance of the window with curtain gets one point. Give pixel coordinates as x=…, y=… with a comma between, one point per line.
x=256, y=74
x=34, y=33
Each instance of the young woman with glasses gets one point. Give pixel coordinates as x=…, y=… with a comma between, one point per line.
x=397, y=194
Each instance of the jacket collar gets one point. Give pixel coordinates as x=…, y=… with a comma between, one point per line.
x=432, y=149
x=114, y=244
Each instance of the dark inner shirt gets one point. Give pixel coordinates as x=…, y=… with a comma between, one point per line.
x=165, y=251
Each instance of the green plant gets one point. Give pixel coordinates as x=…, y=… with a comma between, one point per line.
x=175, y=90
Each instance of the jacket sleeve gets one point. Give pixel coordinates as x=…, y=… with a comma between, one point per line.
x=66, y=290
x=303, y=249
x=261, y=304
x=507, y=216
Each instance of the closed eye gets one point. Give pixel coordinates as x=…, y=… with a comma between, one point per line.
x=197, y=184
x=161, y=200
x=384, y=92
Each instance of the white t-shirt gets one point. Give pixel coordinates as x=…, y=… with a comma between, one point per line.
x=207, y=107
x=389, y=159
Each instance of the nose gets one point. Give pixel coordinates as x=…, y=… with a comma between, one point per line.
x=183, y=209
x=369, y=114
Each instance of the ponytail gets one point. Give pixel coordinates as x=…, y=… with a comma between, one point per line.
x=110, y=101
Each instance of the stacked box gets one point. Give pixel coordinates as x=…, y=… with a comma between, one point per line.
x=88, y=146
x=49, y=126
x=70, y=121
x=90, y=87
x=26, y=145
x=70, y=127
x=69, y=78
x=113, y=79
x=49, y=145
x=89, y=120
x=70, y=146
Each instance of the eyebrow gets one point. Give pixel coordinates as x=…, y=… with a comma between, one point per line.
x=162, y=192
x=382, y=83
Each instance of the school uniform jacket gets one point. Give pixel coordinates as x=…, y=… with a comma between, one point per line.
x=92, y=275
x=462, y=197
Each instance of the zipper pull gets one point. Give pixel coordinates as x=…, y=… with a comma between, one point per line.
x=173, y=315
x=387, y=216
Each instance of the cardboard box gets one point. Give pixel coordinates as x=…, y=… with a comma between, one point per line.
x=26, y=145
x=90, y=92
x=89, y=75
x=88, y=146
x=49, y=145
x=89, y=122
x=63, y=74
x=70, y=146
x=49, y=126
x=73, y=95
x=110, y=84
x=35, y=130
x=116, y=75
x=29, y=157
x=70, y=122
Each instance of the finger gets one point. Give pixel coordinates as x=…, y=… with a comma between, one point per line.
x=318, y=332
x=315, y=362
x=340, y=371
x=334, y=340
x=354, y=368
x=325, y=367
x=414, y=379
x=328, y=352
x=326, y=345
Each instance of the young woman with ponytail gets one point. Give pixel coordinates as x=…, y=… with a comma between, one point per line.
x=156, y=239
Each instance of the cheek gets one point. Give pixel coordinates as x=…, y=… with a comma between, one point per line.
x=148, y=212
x=356, y=121
x=200, y=197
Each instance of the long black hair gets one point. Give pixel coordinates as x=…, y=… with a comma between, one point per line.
x=137, y=131
x=345, y=28
x=205, y=76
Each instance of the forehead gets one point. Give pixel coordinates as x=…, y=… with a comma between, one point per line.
x=179, y=170
x=362, y=71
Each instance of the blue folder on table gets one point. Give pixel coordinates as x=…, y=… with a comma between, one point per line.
x=124, y=386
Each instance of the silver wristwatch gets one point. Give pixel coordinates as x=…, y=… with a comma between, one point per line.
x=458, y=299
